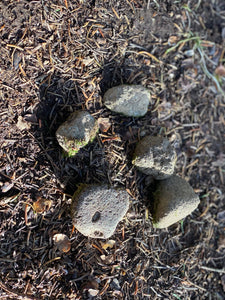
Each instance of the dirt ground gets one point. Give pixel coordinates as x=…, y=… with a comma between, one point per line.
x=61, y=56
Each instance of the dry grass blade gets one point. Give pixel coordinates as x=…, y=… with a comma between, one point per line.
x=151, y=56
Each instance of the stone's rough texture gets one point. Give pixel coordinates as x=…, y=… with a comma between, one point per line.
x=174, y=199
x=76, y=132
x=154, y=155
x=96, y=210
x=129, y=100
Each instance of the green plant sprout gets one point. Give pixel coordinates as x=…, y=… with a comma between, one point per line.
x=198, y=46
x=185, y=6
x=176, y=296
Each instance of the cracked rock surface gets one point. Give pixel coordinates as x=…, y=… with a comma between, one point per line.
x=129, y=100
x=154, y=155
x=174, y=199
x=76, y=132
x=97, y=210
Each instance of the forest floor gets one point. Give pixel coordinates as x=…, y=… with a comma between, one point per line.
x=61, y=56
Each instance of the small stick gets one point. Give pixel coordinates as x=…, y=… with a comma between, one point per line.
x=213, y=269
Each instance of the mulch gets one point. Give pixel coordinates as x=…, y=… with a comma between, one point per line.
x=61, y=56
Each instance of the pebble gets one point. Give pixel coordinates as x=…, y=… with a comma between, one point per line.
x=97, y=210
x=174, y=199
x=129, y=100
x=78, y=130
x=154, y=155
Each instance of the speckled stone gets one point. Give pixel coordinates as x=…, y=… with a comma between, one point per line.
x=174, y=199
x=154, y=155
x=129, y=100
x=97, y=210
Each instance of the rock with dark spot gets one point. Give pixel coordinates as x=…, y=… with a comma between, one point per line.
x=174, y=199
x=129, y=100
x=78, y=130
x=96, y=210
x=154, y=155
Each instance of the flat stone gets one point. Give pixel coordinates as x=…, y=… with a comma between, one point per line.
x=78, y=130
x=154, y=155
x=174, y=199
x=97, y=210
x=129, y=100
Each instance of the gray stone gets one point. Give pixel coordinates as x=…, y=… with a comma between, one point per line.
x=174, y=199
x=129, y=100
x=97, y=210
x=78, y=130
x=154, y=155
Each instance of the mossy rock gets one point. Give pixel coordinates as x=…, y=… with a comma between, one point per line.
x=76, y=132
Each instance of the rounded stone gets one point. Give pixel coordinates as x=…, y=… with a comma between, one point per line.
x=154, y=155
x=97, y=210
x=129, y=100
x=174, y=199
x=77, y=131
